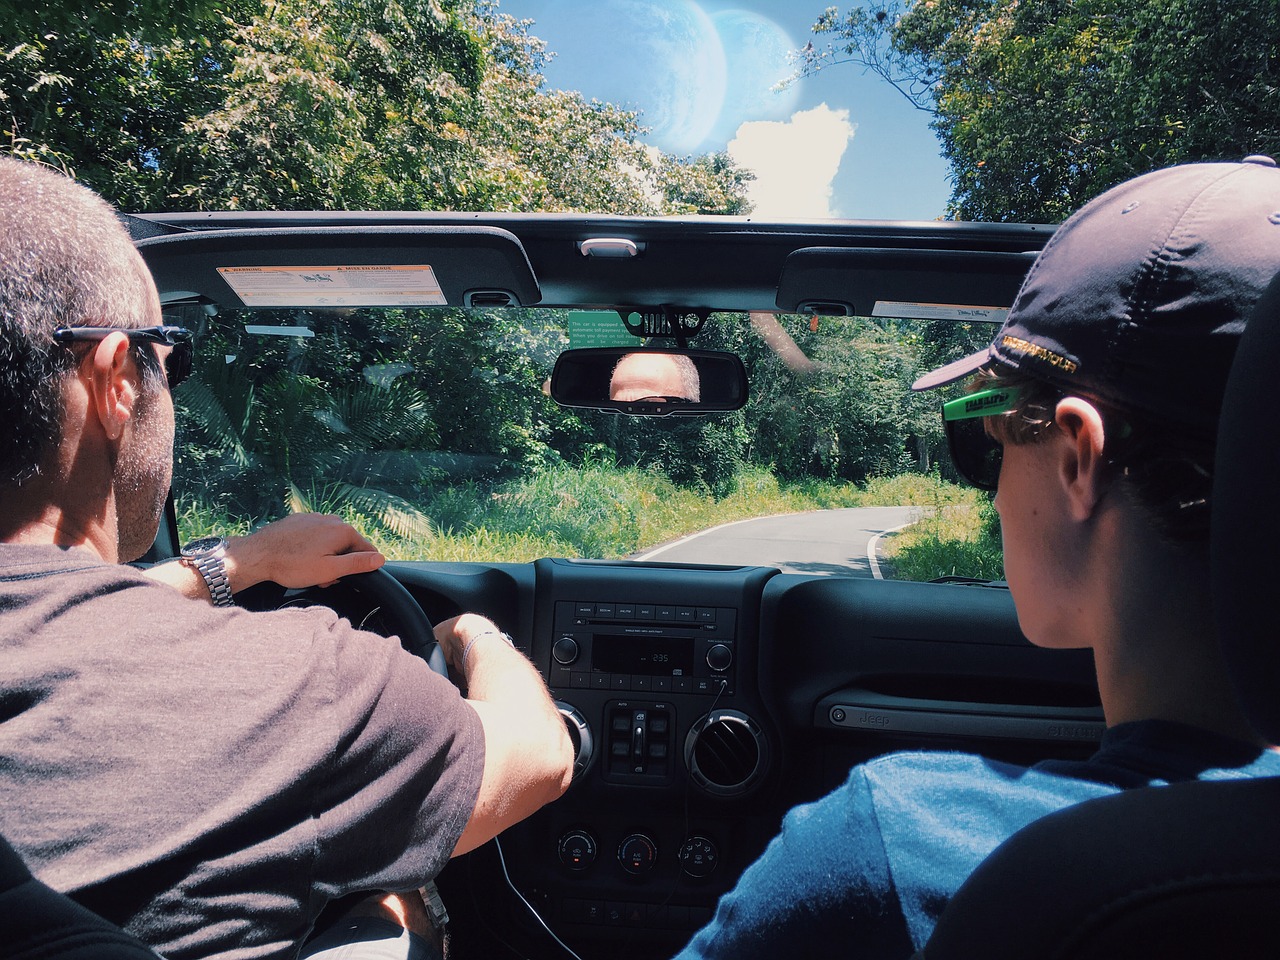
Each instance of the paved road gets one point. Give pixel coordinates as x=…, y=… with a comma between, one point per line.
x=824, y=542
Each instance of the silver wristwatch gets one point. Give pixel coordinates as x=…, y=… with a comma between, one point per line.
x=208, y=556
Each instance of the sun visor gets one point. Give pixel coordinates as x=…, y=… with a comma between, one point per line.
x=344, y=267
x=887, y=282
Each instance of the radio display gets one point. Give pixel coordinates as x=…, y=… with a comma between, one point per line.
x=646, y=656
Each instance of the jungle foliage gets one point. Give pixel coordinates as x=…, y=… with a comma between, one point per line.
x=427, y=422
x=1041, y=105
x=324, y=105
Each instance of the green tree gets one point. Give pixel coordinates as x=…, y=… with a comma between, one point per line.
x=328, y=104
x=710, y=184
x=1041, y=105
x=283, y=429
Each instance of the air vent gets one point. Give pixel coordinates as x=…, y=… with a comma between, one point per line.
x=579, y=736
x=490, y=298
x=726, y=753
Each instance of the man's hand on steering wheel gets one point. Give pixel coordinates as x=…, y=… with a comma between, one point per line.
x=301, y=550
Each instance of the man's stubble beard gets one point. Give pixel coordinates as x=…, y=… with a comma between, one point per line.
x=144, y=472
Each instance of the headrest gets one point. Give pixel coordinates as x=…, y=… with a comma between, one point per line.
x=1246, y=517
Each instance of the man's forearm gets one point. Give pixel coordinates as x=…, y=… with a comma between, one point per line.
x=496, y=672
x=528, y=755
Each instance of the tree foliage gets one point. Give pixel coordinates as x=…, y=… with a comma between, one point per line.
x=327, y=104
x=413, y=104
x=1041, y=105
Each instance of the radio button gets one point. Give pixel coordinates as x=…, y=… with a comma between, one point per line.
x=600, y=681
x=706, y=614
x=661, y=684
x=645, y=611
x=565, y=650
x=604, y=609
x=579, y=680
x=640, y=683
x=620, y=681
x=686, y=614
x=720, y=657
x=584, y=610
x=626, y=611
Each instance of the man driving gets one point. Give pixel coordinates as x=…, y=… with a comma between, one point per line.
x=207, y=777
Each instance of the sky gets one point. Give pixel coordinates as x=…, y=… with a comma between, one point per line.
x=701, y=73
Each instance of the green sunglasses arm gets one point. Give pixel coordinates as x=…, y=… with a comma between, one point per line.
x=984, y=403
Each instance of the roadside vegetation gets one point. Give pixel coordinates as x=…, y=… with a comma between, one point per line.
x=605, y=511
x=956, y=540
x=360, y=104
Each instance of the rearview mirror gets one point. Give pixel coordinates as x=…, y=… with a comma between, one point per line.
x=650, y=381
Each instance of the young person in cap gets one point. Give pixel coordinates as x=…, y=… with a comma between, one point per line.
x=1093, y=416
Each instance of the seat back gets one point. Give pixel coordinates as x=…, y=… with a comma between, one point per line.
x=1191, y=869
x=38, y=923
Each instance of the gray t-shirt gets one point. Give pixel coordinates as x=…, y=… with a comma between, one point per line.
x=207, y=777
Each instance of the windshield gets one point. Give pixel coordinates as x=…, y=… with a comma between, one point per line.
x=432, y=430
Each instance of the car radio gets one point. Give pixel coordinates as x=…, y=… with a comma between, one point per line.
x=657, y=648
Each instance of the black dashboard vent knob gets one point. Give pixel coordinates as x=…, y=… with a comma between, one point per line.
x=726, y=753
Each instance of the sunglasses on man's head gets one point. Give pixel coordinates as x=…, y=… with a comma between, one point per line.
x=177, y=365
x=975, y=453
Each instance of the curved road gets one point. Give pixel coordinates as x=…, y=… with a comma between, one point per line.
x=824, y=542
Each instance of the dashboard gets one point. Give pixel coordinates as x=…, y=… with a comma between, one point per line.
x=704, y=702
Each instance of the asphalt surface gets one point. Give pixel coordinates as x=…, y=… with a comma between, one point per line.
x=824, y=542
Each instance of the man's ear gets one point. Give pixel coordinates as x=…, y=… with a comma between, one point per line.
x=114, y=384
x=1081, y=463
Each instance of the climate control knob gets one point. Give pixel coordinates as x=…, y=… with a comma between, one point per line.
x=637, y=853
x=565, y=650
x=698, y=857
x=577, y=850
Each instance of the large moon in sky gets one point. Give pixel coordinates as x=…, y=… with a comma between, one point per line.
x=693, y=78
x=756, y=50
x=663, y=59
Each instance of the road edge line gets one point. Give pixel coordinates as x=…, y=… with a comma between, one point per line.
x=871, y=547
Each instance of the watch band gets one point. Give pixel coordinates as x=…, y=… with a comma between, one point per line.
x=208, y=556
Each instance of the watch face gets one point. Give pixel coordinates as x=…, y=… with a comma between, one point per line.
x=203, y=545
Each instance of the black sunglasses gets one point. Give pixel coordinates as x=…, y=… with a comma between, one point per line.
x=976, y=455
x=177, y=365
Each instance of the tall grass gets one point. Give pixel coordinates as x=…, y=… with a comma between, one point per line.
x=607, y=512
x=956, y=540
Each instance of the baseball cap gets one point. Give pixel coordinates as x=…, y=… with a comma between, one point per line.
x=1140, y=297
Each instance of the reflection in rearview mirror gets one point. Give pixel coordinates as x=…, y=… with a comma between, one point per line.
x=650, y=381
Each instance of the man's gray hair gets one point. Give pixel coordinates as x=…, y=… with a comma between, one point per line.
x=65, y=260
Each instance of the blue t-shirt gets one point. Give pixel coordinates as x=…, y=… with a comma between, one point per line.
x=869, y=867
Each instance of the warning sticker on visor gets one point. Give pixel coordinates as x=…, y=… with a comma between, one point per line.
x=906, y=310
x=412, y=285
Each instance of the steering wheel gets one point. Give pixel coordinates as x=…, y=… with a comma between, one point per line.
x=403, y=613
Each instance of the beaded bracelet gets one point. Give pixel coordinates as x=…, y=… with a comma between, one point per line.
x=484, y=633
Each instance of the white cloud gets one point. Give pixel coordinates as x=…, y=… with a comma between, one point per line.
x=795, y=161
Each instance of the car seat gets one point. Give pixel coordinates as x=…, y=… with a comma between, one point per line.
x=1190, y=869
x=38, y=922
